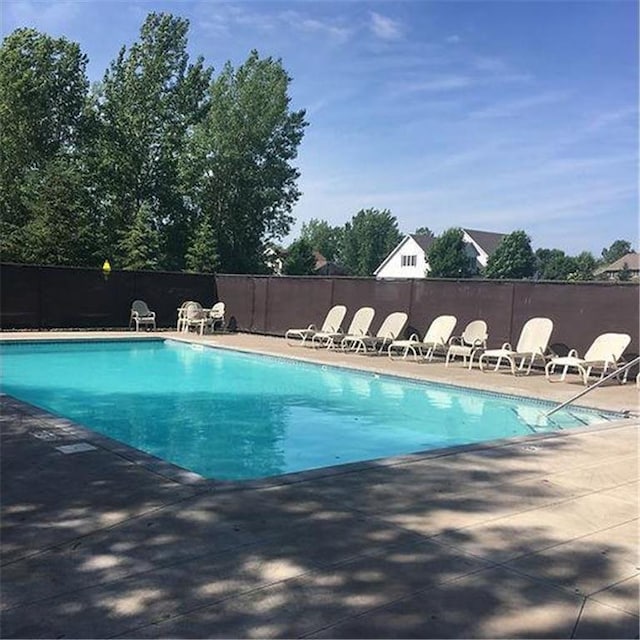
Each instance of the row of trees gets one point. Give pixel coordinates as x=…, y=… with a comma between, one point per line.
x=362, y=244
x=358, y=247
x=159, y=166
x=164, y=166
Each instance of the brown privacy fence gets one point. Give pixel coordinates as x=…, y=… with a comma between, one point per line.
x=34, y=297
x=580, y=311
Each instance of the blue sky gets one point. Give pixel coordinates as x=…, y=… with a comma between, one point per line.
x=490, y=115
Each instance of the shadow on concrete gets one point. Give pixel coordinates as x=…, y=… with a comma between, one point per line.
x=96, y=547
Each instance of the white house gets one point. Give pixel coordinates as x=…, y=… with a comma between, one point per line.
x=409, y=259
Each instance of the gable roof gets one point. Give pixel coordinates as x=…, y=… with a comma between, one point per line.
x=488, y=240
x=632, y=259
x=396, y=249
x=423, y=240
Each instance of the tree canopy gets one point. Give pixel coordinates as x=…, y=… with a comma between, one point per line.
x=618, y=249
x=239, y=162
x=299, y=260
x=159, y=166
x=367, y=239
x=448, y=256
x=43, y=93
x=322, y=237
x=513, y=258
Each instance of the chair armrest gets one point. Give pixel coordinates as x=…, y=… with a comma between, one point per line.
x=507, y=346
x=414, y=337
x=455, y=340
x=573, y=353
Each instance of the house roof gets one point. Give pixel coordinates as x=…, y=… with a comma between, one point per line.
x=631, y=259
x=319, y=258
x=396, y=249
x=488, y=240
x=423, y=240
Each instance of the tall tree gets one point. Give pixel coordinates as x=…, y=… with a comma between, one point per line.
x=322, y=237
x=239, y=161
x=61, y=228
x=553, y=264
x=424, y=231
x=202, y=255
x=367, y=240
x=513, y=258
x=615, y=251
x=139, y=246
x=448, y=256
x=299, y=260
x=149, y=100
x=43, y=90
x=583, y=266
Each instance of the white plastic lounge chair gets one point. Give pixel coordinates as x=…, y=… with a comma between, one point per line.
x=435, y=338
x=473, y=339
x=605, y=351
x=332, y=324
x=359, y=327
x=141, y=315
x=390, y=329
x=195, y=316
x=216, y=315
x=532, y=344
x=182, y=311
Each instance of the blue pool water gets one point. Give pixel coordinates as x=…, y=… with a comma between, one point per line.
x=229, y=415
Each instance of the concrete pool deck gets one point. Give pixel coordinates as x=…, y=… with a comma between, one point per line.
x=529, y=538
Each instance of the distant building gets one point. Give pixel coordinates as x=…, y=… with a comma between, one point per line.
x=326, y=267
x=409, y=258
x=612, y=271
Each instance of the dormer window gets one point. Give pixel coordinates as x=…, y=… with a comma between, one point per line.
x=409, y=261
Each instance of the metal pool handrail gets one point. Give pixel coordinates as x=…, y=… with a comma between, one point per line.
x=618, y=371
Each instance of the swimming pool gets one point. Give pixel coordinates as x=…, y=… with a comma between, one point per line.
x=233, y=416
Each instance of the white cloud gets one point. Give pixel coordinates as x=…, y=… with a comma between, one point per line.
x=330, y=29
x=222, y=19
x=50, y=18
x=440, y=83
x=384, y=27
x=608, y=118
x=513, y=107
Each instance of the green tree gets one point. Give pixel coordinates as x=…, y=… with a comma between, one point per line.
x=583, y=266
x=239, y=162
x=448, y=257
x=424, y=231
x=553, y=264
x=61, y=229
x=513, y=258
x=299, y=260
x=43, y=91
x=615, y=251
x=202, y=255
x=367, y=240
x=624, y=275
x=148, y=102
x=139, y=246
x=322, y=237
